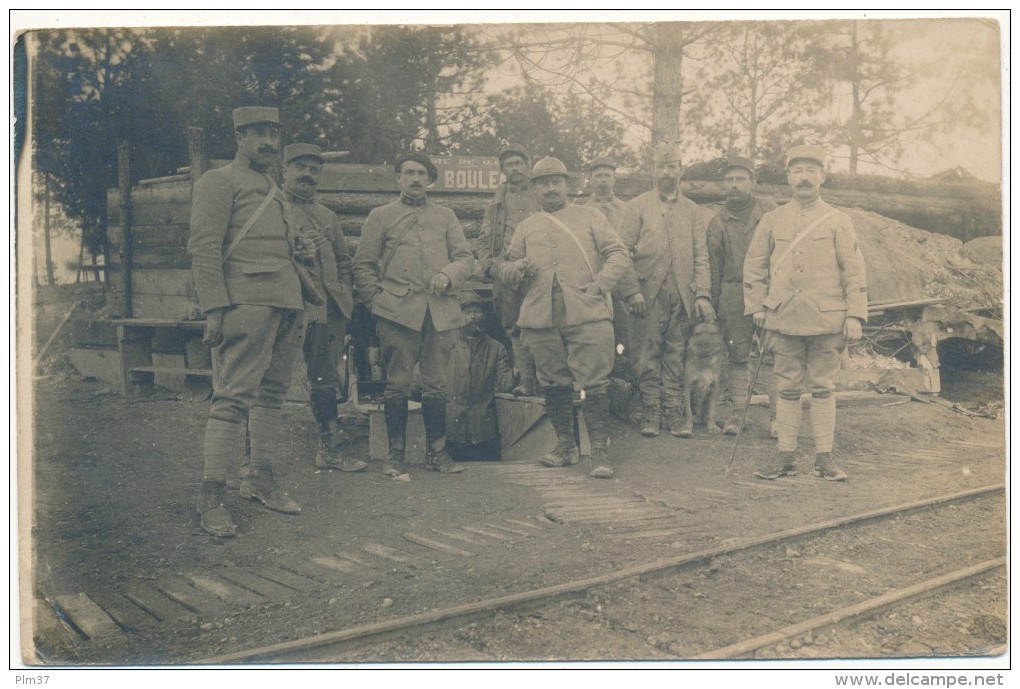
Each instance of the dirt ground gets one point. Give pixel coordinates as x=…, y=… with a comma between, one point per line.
x=115, y=481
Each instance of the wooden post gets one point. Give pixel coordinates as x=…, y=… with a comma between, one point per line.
x=197, y=153
x=124, y=180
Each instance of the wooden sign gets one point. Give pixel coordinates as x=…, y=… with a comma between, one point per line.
x=467, y=173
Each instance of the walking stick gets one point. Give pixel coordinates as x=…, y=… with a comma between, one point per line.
x=762, y=348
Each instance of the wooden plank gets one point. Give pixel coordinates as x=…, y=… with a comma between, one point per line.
x=386, y=552
x=147, y=237
x=156, y=603
x=499, y=536
x=294, y=581
x=156, y=213
x=48, y=628
x=135, y=350
x=174, y=281
x=458, y=537
x=88, y=617
x=170, y=306
x=433, y=544
x=335, y=564
x=253, y=582
x=123, y=611
x=190, y=597
x=356, y=559
x=225, y=590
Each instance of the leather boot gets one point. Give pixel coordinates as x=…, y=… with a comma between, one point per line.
x=651, y=420
x=827, y=469
x=596, y=414
x=213, y=516
x=433, y=411
x=559, y=406
x=524, y=368
x=772, y=466
x=395, y=414
x=260, y=485
x=328, y=454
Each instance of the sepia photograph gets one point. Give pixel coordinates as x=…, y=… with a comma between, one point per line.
x=504, y=340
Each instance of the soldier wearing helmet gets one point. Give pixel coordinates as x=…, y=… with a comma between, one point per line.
x=567, y=259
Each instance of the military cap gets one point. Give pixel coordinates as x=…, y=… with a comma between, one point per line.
x=739, y=162
x=666, y=151
x=549, y=167
x=515, y=150
x=470, y=298
x=422, y=160
x=806, y=152
x=292, y=151
x=256, y=114
x=601, y=162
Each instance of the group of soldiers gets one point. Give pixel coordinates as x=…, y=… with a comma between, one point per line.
x=274, y=277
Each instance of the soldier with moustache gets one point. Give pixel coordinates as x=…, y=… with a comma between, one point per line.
x=805, y=281
x=513, y=201
x=568, y=259
x=326, y=326
x=729, y=234
x=242, y=246
x=665, y=234
x=412, y=254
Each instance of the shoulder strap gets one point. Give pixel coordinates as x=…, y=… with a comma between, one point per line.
x=385, y=263
x=803, y=233
x=580, y=247
x=252, y=220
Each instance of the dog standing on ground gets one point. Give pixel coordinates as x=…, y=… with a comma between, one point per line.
x=703, y=361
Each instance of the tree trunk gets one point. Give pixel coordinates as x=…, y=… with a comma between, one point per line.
x=667, y=81
x=46, y=231
x=856, y=117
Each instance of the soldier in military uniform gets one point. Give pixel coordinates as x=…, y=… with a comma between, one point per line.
x=242, y=246
x=729, y=234
x=513, y=201
x=804, y=280
x=326, y=323
x=411, y=254
x=665, y=234
x=568, y=260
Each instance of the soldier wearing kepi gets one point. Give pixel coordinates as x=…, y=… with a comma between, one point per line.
x=729, y=234
x=569, y=260
x=242, y=249
x=665, y=233
x=804, y=280
x=326, y=323
x=411, y=255
x=513, y=202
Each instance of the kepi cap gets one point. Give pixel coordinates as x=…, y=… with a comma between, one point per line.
x=549, y=167
x=601, y=162
x=806, y=152
x=421, y=159
x=516, y=150
x=293, y=151
x=739, y=162
x=255, y=114
x=666, y=151
x=470, y=297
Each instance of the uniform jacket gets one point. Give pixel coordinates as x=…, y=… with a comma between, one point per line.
x=401, y=248
x=493, y=239
x=558, y=256
x=333, y=265
x=612, y=208
x=643, y=230
x=820, y=282
x=260, y=270
x=728, y=239
x=479, y=367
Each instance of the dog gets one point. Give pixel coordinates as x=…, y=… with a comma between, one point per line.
x=703, y=360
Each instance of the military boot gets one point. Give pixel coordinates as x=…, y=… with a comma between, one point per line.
x=827, y=469
x=433, y=411
x=214, y=518
x=772, y=466
x=596, y=414
x=395, y=414
x=524, y=368
x=559, y=406
x=328, y=454
x=260, y=485
x=651, y=421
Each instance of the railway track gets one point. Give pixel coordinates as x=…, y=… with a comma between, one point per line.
x=714, y=586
